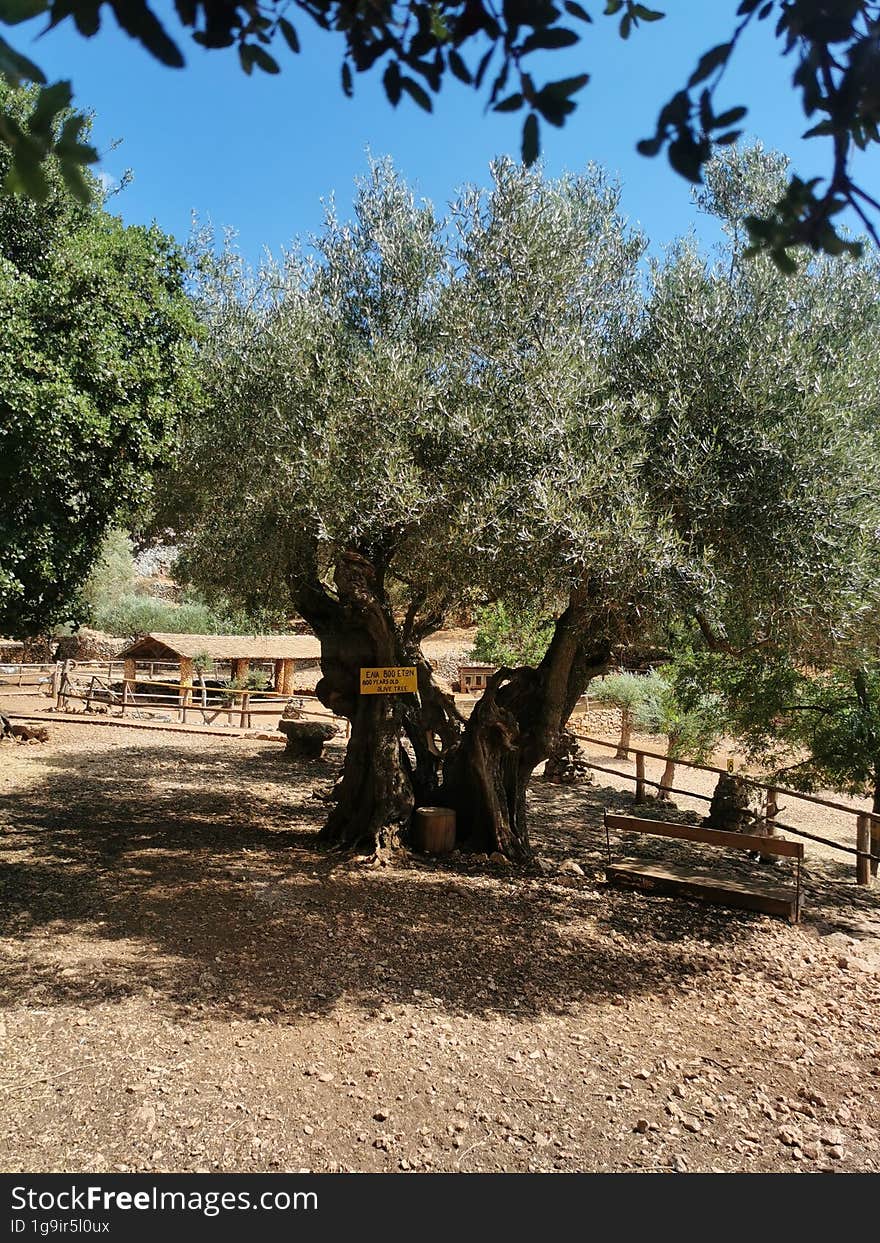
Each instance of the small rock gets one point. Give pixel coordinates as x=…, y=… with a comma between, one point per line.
x=569, y=867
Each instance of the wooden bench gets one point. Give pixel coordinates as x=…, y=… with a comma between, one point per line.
x=673, y=879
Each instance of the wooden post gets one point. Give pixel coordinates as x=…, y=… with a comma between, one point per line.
x=245, y=715
x=240, y=668
x=129, y=680
x=640, y=777
x=278, y=679
x=874, y=840
x=771, y=809
x=863, y=843
x=56, y=686
x=288, y=676
x=186, y=681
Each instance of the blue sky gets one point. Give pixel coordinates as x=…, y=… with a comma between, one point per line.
x=259, y=153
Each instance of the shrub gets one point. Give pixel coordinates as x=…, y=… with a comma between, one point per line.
x=511, y=638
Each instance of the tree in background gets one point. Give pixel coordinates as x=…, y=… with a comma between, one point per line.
x=95, y=361
x=832, y=46
x=624, y=691
x=808, y=730
x=506, y=638
x=112, y=575
x=692, y=730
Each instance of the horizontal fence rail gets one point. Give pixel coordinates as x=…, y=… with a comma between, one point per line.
x=866, y=850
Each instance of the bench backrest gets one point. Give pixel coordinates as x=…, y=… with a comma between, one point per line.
x=711, y=837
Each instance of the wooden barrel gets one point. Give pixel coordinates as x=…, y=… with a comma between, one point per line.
x=434, y=830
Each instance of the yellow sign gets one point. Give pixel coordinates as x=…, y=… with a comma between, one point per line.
x=397, y=680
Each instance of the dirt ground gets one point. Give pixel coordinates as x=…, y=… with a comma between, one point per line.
x=190, y=984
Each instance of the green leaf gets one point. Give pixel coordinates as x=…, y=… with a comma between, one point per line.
x=577, y=10
x=730, y=117
x=391, y=82
x=687, y=157
x=417, y=93
x=291, y=38
x=511, y=104
x=14, y=11
x=347, y=83
x=459, y=68
x=15, y=66
x=75, y=181
x=26, y=174
x=267, y=63
x=50, y=101
x=549, y=39
x=709, y=62
x=137, y=20
x=645, y=14
x=531, y=142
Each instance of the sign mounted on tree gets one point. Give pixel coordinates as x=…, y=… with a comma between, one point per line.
x=396, y=680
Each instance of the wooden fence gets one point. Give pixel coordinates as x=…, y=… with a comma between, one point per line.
x=866, y=849
x=182, y=698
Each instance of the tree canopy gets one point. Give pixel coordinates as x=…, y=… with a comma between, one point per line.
x=423, y=412
x=95, y=355
x=832, y=47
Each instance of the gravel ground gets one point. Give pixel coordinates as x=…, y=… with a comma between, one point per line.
x=190, y=984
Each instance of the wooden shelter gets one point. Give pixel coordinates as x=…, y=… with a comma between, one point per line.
x=473, y=678
x=285, y=651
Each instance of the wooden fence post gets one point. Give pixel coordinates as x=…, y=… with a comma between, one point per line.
x=863, y=844
x=874, y=842
x=771, y=810
x=640, y=777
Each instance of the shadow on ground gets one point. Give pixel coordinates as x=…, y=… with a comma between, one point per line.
x=195, y=873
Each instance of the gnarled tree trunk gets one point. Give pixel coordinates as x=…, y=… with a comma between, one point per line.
x=375, y=796
x=512, y=729
x=357, y=630
x=380, y=783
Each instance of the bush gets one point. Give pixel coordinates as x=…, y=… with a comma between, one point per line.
x=508, y=638
x=132, y=614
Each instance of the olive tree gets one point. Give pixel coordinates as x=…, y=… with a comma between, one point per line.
x=399, y=423
x=624, y=691
x=423, y=411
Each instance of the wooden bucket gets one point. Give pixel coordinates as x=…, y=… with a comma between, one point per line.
x=434, y=830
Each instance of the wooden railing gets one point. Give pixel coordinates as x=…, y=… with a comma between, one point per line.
x=866, y=849
x=183, y=698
